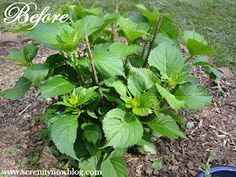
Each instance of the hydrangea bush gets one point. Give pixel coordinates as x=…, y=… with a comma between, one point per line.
x=116, y=82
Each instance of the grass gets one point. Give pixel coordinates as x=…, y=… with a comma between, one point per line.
x=215, y=19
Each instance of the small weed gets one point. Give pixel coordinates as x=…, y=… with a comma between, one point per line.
x=14, y=151
x=206, y=168
x=156, y=164
x=21, y=163
x=34, y=158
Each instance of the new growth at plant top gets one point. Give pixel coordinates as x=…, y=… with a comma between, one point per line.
x=116, y=82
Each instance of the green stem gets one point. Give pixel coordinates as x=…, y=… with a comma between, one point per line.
x=144, y=47
x=188, y=58
x=74, y=58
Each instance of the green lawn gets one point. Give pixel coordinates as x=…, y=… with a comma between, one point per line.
x=215, y=19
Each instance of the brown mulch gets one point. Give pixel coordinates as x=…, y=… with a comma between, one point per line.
x=213, y=129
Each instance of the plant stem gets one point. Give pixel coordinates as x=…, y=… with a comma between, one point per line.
x=143, y=51
x=188, y=58
x=113, y=30
x=95, y=76
x=157, y=26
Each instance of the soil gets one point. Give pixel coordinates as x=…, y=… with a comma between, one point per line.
x=213, y=129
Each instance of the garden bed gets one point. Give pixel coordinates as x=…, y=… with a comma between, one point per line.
x=22, y=144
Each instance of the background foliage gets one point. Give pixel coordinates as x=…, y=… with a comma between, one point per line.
x=213, y=18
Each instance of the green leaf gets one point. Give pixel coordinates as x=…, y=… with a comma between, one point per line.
x=197, y=48
x=90, y=163
x=92, y=132
x=45, y=33
x=141, y=21
x=92, y=114
x=161, y=37
x=101, y=47
x=170, y=98
x=130, y=29
x=141, y=79
x=24, y=56
x=68, y=38
x=77, y=12
x=118, y=152
x=114, y=167
x=178, y=78
x=194, y=35
x=85, y=94
x=112, y=98
x=187, y=68
x=165, y=125
x=213, y=73
x=80, y=147
x=89, y=24
x=145, y=104
x=121, y=50
x=167, y=59
x=107, y=19
x=151, y=16
x=24, y=28
x=121, y=129
x=181, y=120
x=93, y=10
x=194, y=96
x=120, y=88
x=18, y=91
x=30, y=51
x=192, y=80
x=108, y=64
x=17, y=55
x=64, y=132
x=156, y=164
x=200, y=61
x=146, y=147
x=36, y=73
x=56, y=86
x=196, y=44
x=92, y=149
x=55, y=60
x=168, y=27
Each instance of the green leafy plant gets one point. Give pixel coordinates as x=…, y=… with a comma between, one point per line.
x=156, y=164
x=207, y=166
x=14, y=151
x=116, y=82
